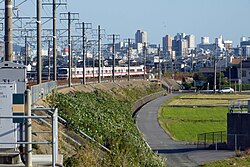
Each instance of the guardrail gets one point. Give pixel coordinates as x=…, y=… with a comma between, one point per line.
x=41, y=90
x=212, y=140
x=239, y=106
x=139, y=103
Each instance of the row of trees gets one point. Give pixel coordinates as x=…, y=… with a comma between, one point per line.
x=203, y=82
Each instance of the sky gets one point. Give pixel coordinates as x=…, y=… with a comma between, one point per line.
x=211, y=18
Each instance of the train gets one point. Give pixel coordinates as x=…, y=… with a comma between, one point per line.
x=92, y=72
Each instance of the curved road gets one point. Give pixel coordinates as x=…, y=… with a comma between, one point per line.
x=177, y=153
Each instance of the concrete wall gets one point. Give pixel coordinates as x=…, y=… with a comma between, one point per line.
x=238, y=130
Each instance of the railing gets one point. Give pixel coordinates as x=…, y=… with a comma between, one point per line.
x=212, y=140
x=238, y=106
x=41, y=90
x=53, y=133
x=139, y=103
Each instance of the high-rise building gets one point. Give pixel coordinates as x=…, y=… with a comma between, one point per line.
x=141, y=37
x=219, y=43
x=167, y=43
x=204, y=40
x=138, y=36
x=144, y=37
x=184, y=47
x=191, y=41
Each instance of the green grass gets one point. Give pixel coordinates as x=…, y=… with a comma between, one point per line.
x=235, y=162
x=217, y=96
x=106, y=117
x=185, y=123
x=204, y=100
x=187, y=131
x=194, y=114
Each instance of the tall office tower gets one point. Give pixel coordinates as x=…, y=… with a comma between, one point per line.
x=219, y=42
x=141, y=37
x=167, y=43
x=138, y=37
x=204, y=40
x=191, y=41
x=177, y=37
x=184, y=48
x=144, y=37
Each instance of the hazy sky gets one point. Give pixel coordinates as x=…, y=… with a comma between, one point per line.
x=229, y=18
x=212, y=18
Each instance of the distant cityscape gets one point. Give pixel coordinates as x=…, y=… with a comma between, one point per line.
x=177, y=53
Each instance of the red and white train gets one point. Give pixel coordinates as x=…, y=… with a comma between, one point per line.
x=63, y=73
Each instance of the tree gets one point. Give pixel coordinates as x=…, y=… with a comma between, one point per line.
x=199, y=76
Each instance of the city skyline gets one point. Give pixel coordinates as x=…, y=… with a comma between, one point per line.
x=201, y=18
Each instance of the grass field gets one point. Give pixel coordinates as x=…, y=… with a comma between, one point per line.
x=235, y=162
x=185, y=123
x=195, y=114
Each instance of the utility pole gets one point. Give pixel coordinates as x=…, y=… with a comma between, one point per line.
x=129, y=59
x=8, y=31
x=54, y=41
x=71, y=17
x=191, y=63
x=114, y=38
x=113, y=57
x=26, y=51
x=93, y=62
x=215, y=55
x=159, y=66
x=69, y=51
x=54, y=4
x=84, y=27
x=100, y=35
x=240, y=84
x=145, y=60
x=48, y=59
x=39, y=54
x=99, y=54
x=83, y=55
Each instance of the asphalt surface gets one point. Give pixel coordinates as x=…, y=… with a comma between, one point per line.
x=178, y=154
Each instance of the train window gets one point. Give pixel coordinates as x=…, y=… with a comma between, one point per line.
x=78, y=72
x=106, y=71
x=62, y=71
x=88, y=72
x=132, y=70
x=139, y=70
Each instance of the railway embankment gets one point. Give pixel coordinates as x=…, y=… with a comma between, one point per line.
x=103, y=111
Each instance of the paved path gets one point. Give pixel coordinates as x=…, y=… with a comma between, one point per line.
x=177, y=153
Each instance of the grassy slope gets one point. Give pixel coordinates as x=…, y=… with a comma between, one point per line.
x=106, y=116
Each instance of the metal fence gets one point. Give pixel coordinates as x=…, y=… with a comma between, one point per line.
x=41, y=90
x=212, y=140
x=239, y=105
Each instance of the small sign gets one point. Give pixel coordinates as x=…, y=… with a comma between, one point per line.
x=18, y=107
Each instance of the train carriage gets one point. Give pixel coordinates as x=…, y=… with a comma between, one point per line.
x=63, y=73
